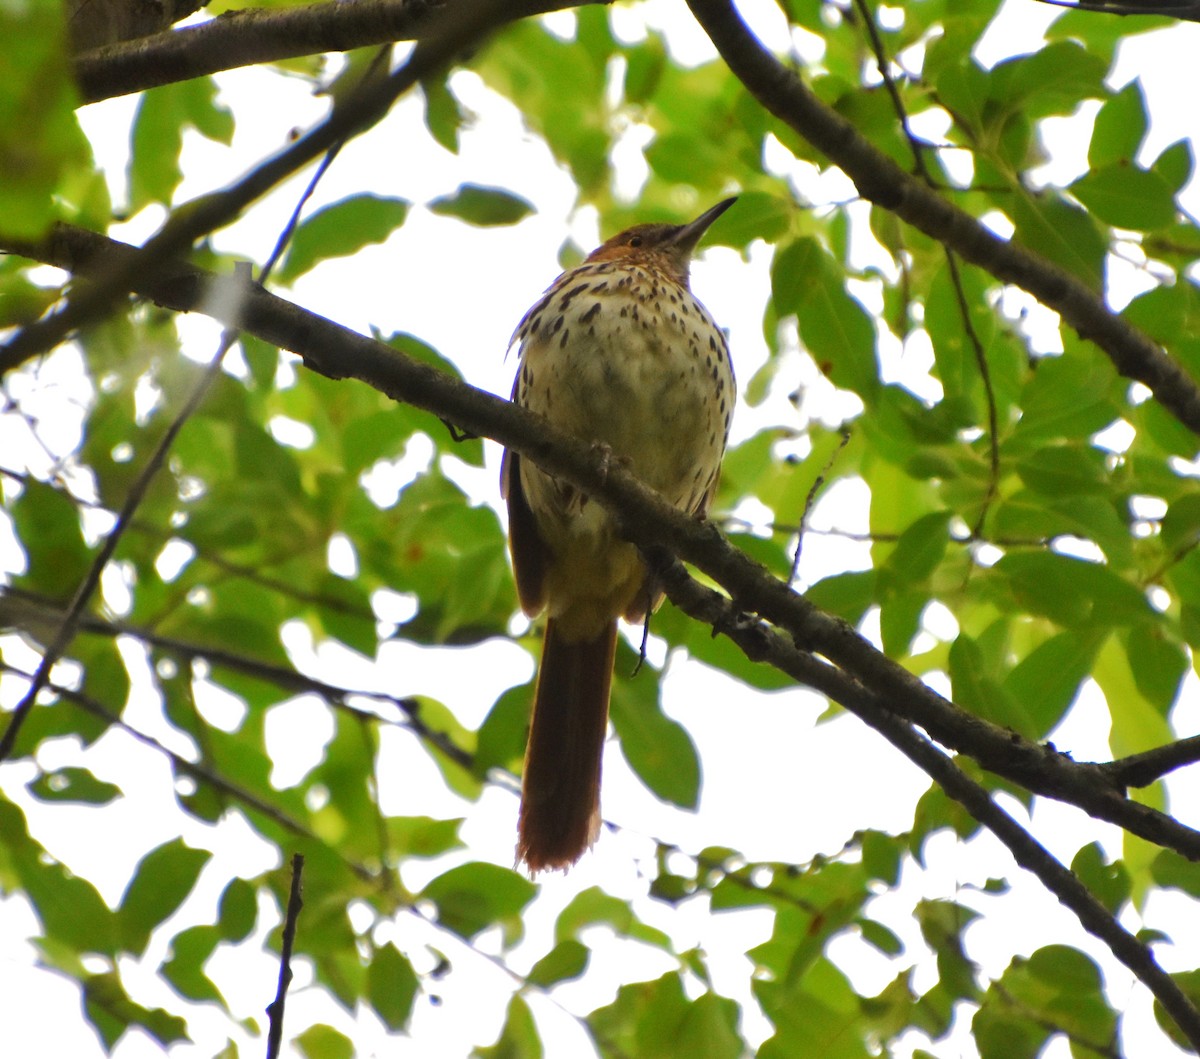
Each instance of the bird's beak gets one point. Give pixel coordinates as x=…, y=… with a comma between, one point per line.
x=690, y=234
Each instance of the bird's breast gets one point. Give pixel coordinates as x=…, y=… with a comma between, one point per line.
x=627, y=357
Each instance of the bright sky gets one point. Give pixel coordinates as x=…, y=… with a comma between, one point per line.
x=810, y=786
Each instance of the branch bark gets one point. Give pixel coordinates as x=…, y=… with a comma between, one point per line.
x=247, y=38
x=883, y=182
x=758, y=641
x=854, y=667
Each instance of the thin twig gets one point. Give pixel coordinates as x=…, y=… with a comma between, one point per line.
x=87, y=587
x=1140, y=770
x=985, y=372
x=275, y=1008
x=809, y=501
x=883, y=182
x=289, y=680
x=195, y=219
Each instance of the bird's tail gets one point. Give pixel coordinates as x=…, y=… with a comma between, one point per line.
x=560, y=793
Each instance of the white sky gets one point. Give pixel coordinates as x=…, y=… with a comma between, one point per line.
x=809, y=786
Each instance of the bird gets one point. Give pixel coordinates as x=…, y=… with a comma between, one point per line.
x=617, y=352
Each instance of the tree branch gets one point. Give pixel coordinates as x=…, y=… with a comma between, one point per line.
x=757, y=641
x=264, y=35
x=857, y=667
x=882, y=181
x=33, y=613
x=195, y=219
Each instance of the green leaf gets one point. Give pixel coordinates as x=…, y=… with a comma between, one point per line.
x=1046, y=681
x=657, y=748
x=1072, y=592
x=44, y=157
x=324, y=1042
x=422, y=836
x=519, y=1038
x=162, y=117
x=759, y=215
x=817, y=1014
x=1189, y=983
x=1109, y=882
x=73, y=915
x=392, y=986
x=184, y=966
x=238, y=910
x=163, y=879
x=592, y=906
x=1067, y=397
x=1051, y=80
x=1174, y=872
x=1158, y=664
x=1176, y=165
x=340, y=230
x=1062, y=233
x=568, y=959
x=73, y=785
x=47, y=526
x=918, y=552
x=1119, y=129
x=473, y=897
x=109, y=1008
x=443, y=115
x=1127, y=197
x=806, y=282
x=962, y=88
x=483, y=206
x=655, y=1020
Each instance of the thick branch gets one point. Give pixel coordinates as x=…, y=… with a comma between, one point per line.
x=882, y=181
x=264, y=35
x=368, y=103
x=338, y=352
x=766, y=644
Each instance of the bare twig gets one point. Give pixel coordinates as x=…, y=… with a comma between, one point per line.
x=42, y=612
x=810, y=500
x=985, y=372
x=275, y=1008
x=1140, y=770
x=83, y=594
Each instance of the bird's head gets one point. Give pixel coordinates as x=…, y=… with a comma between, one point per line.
x=668, y=246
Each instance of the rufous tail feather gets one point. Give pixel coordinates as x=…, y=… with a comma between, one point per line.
x=560, y=792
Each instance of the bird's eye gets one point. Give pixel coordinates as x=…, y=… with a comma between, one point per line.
x=635, y=240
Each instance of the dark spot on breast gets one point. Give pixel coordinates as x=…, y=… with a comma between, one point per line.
x=563, y=341
x=566, y=298
x=590, y=314
x=558, y=322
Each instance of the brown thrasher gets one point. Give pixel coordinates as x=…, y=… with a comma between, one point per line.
x=618, y=352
